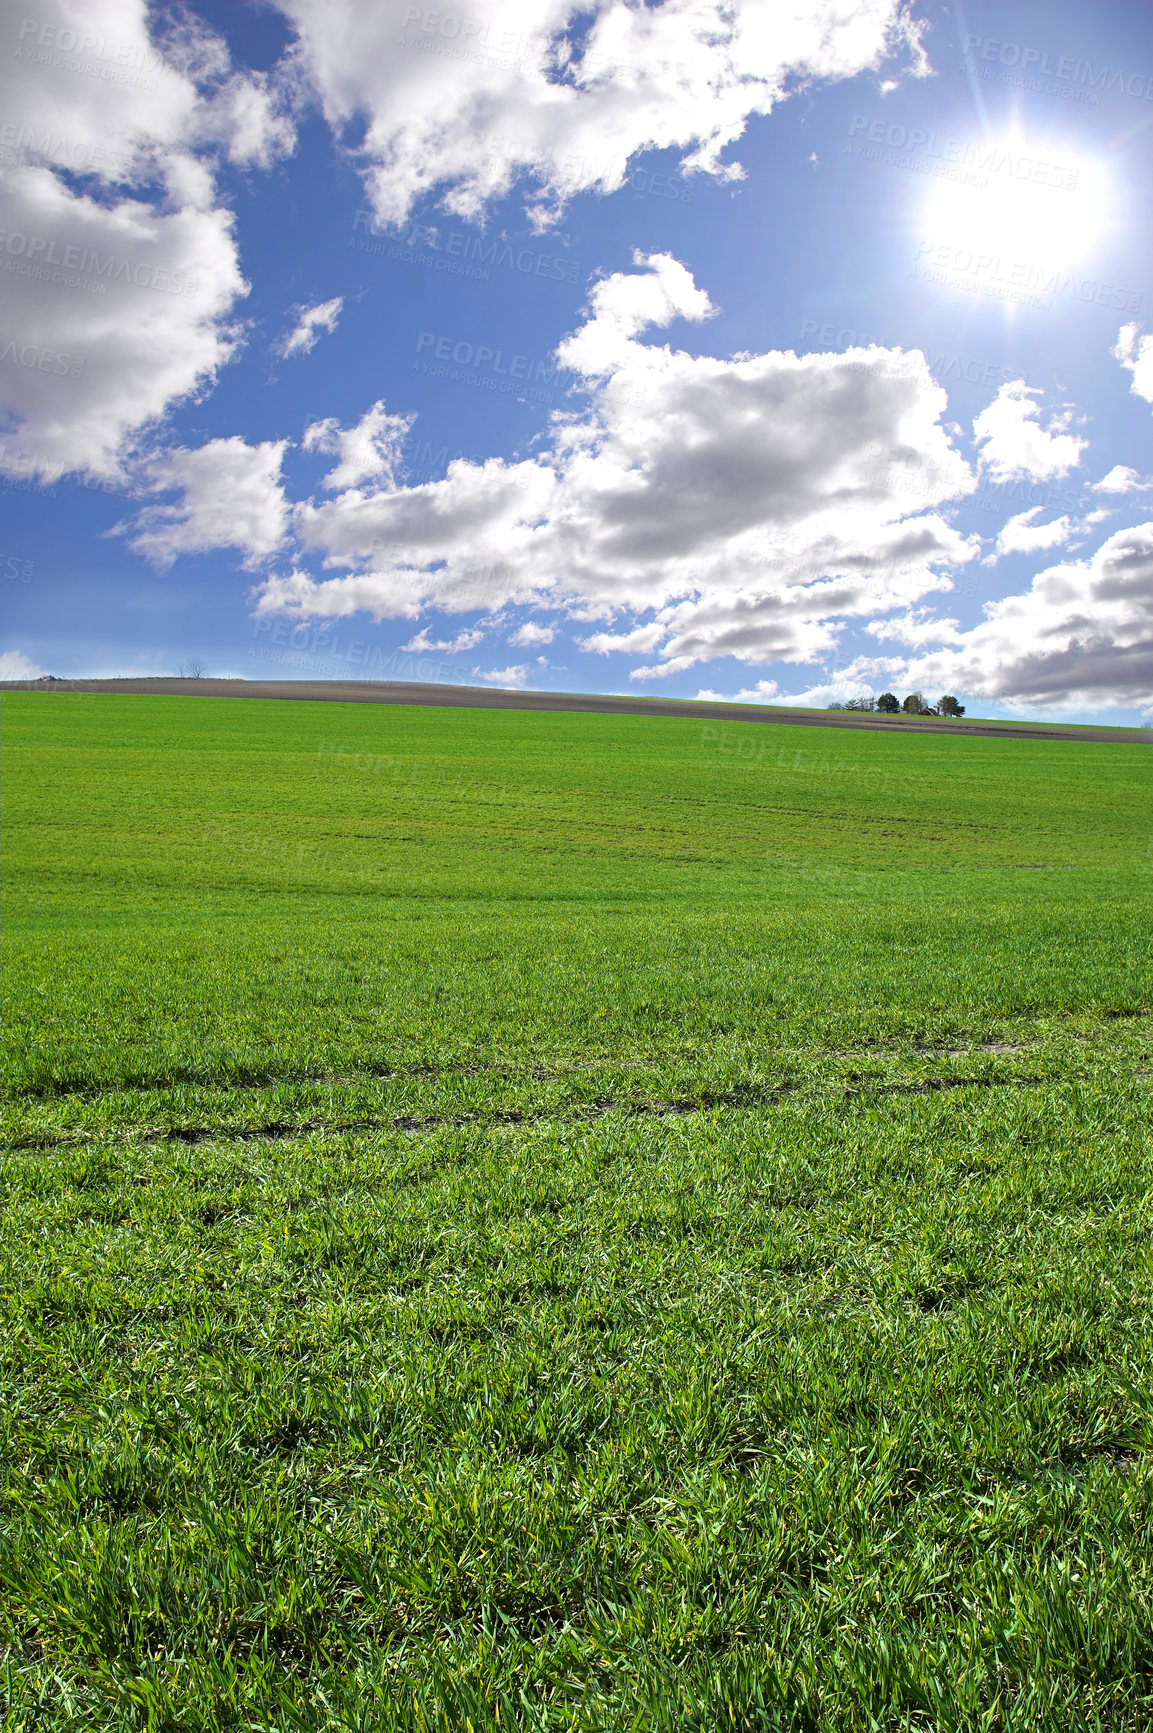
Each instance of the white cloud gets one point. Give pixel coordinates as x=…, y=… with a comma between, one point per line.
x=232, y=497
x=460, y=543
x=250, y=116
x=622, y=306
x=764, y=692
x=867, y=675
x=1082, y=634
x=1121, y=479
x=1022, y=536
x=916, y=628
x=15, y=665
x=114, y=303
x=641, y=638
x=110, y=92
x=310, y=322
x=463, y=101
x=662, y=670
x=99, y=343
x=299, y=594
x=1015, y=445
x=512, y=678
x=370, y=451
x=530, y=633
x=746, y=505
x=1135, y=353
x=422, y=644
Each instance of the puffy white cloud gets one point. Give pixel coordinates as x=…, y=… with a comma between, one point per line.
x=370, y=451
x=530, y=633
x=115, y=296
x=1013, y=443
x=463, y=542
x=1022, y=536
x=85, y=86
x=512, y=679
x=866, y=675
x=1082, y=634
x=640, y=639
x=747, y=505
x=298, y=594
x=250, y=116
x=110, y=314
x=422, y=644
x=462, y=101
x=310, y=322
x=1121, y=479
x=1134, y=350
x=621, y=307
x=232, y=497
x=916, y=628
x=15, y=665
x=762, y=693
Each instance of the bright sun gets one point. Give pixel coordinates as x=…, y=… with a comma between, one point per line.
x=1020, y=202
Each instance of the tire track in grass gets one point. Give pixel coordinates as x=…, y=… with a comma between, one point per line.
x=282, y=1130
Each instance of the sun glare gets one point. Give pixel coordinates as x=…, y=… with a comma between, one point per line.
x=1020, y=203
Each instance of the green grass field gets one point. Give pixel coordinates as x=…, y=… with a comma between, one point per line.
x=535, y=1221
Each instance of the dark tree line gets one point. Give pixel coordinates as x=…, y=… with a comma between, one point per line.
x=915, y=704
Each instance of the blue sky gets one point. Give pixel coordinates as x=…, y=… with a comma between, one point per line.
x=759, y=351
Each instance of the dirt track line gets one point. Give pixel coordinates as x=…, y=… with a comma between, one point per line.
x=585, y=1113
x=584, y=703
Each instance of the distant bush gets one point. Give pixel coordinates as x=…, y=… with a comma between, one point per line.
x=948, y=706
x=836, y=706
x=915, y=705
x=889, y=703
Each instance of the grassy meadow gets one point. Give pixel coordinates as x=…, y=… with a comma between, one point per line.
x=538, y=1221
